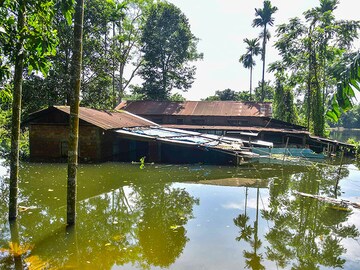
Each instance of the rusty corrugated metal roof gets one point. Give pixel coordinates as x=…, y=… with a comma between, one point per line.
x=108, y=120
x=198, y=108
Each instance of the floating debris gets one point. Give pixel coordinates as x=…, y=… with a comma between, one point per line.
x=341, y=202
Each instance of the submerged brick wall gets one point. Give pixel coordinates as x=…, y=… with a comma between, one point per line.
x=48, y=142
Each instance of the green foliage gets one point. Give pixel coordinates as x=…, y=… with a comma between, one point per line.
x=111, y=51
x=142, y=163
x=38, y=35
x=264, y=92
x=177, y=97
x=349, y=119
x=226, y=94
x=168, y=47
x=356, y=144
x=5, y=127
x=283, y=106
x=229, y=94
x=309, y=52
x=348, y=81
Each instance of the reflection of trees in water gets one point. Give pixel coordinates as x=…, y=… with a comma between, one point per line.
x=143, y=226
x=249, y=234
x=4, y=197
x=164, y=213
x=307, y=232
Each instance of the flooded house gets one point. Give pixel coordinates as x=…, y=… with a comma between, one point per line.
x=123, y=136
x=249, y=121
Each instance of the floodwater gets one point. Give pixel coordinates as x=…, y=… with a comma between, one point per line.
x=184, y=217
x=345, y=134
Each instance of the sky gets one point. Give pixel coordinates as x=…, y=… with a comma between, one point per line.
x=221, y=26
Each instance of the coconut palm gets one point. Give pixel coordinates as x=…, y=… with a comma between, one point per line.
x=263, y=19
x=247, y=59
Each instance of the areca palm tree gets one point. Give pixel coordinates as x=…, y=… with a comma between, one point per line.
x=263, y=19
x=247, y=59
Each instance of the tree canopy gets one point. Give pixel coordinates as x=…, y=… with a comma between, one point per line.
x=168, y=48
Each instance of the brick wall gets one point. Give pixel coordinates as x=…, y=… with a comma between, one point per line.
x=48, y=142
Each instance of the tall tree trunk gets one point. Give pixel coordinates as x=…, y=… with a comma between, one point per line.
x=121, y=66
x=16, y=115
x=113, y=66
x=251, y=68
x=309, y=83
x=74, y=112
x=263, y=67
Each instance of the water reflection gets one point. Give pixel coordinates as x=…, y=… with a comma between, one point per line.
x=249, y=234
x=130, y=218
x=144, y=227
x=307, y=233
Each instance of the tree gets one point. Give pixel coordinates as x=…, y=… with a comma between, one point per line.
x=177, y=97
x=226, y=94
x=111, y=55
x=309, y=52
x=74, y=111
x=247, y=59
x=128, y=40
x=348, y=79
x=168, y=47
x=283, y=105
x=264, y=92
x=264, y=18
x=28, y=39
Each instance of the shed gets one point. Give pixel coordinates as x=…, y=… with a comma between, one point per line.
x=248, y=121
x=122, y=136
x=49, y=133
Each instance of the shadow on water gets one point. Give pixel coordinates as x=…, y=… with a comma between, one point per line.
x=144, y=218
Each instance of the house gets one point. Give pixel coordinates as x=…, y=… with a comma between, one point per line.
x=123, y=136
x=250, y=121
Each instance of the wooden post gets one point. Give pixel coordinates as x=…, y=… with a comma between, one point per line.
x=286, y=146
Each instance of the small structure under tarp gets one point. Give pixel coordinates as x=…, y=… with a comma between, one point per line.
x=180, y=146
x=122, y=136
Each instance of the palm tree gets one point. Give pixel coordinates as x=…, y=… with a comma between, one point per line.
x=263, y=19
x=247, y=59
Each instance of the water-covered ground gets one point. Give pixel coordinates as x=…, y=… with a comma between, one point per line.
x=184, y=217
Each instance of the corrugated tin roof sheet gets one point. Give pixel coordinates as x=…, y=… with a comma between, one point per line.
x=103, y=119
x=198, y=108
x=109, y=120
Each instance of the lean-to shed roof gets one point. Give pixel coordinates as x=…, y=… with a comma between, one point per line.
x=104, y=119
x=197, y=108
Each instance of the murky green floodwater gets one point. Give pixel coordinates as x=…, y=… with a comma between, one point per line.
x=181, y=217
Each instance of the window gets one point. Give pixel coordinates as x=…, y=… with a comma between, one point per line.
x=64, y=149
x=157, y=120
x=235, y=122
x=198, y=121
x=179, y=121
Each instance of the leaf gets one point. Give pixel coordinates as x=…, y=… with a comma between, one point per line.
x=67, y=9
x=35, y=263
x=16, y=250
